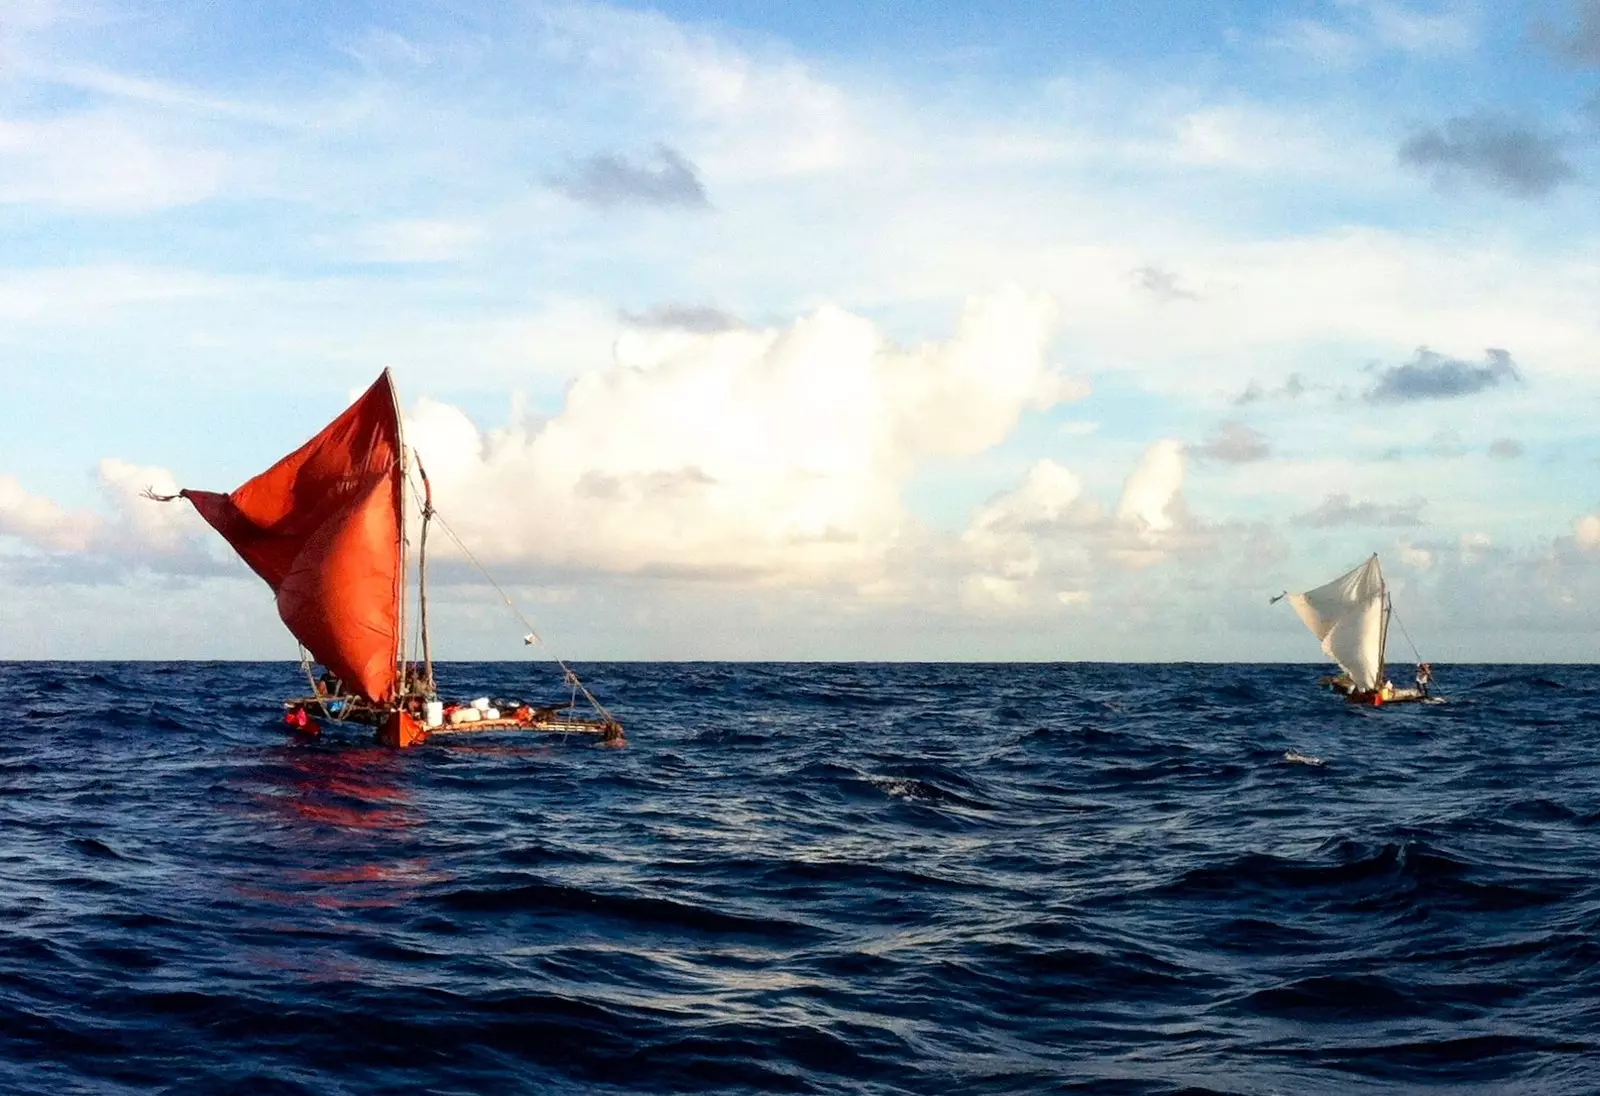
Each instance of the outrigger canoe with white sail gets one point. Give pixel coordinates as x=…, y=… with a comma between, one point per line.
x=1350, y=616
x=326, y=528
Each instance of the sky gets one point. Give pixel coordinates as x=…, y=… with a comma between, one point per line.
x=832, y=331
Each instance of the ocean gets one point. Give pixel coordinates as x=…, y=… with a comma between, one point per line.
x=806, y=878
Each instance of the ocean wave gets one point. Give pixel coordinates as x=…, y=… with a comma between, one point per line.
x=866, y=879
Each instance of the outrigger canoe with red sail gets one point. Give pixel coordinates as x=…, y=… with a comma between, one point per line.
x=326, y=528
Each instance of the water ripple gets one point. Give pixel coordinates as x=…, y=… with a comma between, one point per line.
x=807, y=878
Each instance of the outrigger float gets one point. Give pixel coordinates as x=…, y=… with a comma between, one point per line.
x=1351, y=616
x=326, y=528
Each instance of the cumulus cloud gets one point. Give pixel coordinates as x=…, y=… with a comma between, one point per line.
x=1002, y=537
x=1152, y=489
x=662, y=178
x=1047, y=541
x=40, y=521
x=1432, y=376
x=1049, y=495
x=1232, y=442
x=1498, y=152
x=1506, y=448
x=130, y=531
x=778, y=454
x=1338, y=509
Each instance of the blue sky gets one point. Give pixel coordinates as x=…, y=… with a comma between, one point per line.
x=1055, y=331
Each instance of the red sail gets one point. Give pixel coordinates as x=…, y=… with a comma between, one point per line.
x=322, y=526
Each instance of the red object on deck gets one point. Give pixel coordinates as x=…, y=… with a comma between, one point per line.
x=401, y=731
x=322, y=527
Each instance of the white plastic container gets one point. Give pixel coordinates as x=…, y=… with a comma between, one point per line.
x=465, y=715
x=491, y=713
x=482, y=704
x=433, y=713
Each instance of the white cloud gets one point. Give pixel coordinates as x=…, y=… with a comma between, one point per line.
x=75, y=296
x=1407, y=27
x=1049, y=494
x=758, y=116
x=1024, y=545
x=140, y=528
x=414, y=241
x=1002, y=538
x=40, y=521
x=102, y=162
x=1474, y=545
x=1587, y=531
x=131, y=530
x=1151, y=489
x=1364, y=30
x=780, y=454
x=1414, y=556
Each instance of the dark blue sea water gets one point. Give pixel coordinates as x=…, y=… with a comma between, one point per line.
x=806, y=878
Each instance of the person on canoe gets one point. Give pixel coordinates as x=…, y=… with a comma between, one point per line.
x=1424, y=677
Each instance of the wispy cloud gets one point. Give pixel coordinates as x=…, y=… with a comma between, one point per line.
x=103, y=162
x=1291, y=389
x=1232, y=442
x=1339, y=509
x=1432, y=376
x=695, y=319
x=1509, y=156
x=1360, y=31
x=1163, y=284
x=421, y=240
x=1446, y=445
x=1579, y=43
x=1506, y=448
x=662, y=178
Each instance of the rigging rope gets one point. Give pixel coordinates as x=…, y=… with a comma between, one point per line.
x=532, y=635
x=1394, y=616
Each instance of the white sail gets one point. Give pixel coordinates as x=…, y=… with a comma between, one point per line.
x=1347, y=616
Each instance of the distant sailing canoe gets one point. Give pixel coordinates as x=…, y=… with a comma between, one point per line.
x=325, y=527
x=1350, y=616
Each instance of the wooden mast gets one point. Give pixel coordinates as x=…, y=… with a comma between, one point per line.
x=422, y=577
x=405, y=556
x=1383, y=632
